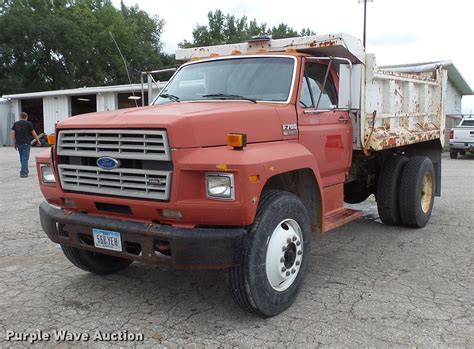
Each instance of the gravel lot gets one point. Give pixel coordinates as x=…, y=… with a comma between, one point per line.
x=368, y=284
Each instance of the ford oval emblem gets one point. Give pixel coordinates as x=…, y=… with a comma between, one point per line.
x=108, y=163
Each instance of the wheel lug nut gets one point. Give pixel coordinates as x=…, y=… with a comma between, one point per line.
x=298, y=243
x=294, y=238
x=300, y=253
x=283, y=270
x=297, y=263
x=293, y=271
x=282, y=260
x=287, y=273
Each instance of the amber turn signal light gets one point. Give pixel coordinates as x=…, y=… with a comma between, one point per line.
x=254, y=178
x=51, y=139
x=237, y=140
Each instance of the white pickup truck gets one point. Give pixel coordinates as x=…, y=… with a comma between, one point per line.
x=461, y=138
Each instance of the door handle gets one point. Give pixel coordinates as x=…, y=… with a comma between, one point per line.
x=343, y=120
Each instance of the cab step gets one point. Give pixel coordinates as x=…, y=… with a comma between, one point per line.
x=335, y=219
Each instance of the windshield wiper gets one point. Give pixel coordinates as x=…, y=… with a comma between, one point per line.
x=228, y=96
x=170, y=97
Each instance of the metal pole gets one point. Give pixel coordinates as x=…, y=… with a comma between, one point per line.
x=150, y=88
x=143, y=90
x=365, y=19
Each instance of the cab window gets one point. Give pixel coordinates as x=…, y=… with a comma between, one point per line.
x=313, y=83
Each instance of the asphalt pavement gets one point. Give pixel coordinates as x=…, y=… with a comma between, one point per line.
x=368, y=285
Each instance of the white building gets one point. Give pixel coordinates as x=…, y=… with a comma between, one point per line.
x=46, y=108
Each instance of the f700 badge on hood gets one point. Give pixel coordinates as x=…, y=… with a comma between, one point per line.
x=289, y=129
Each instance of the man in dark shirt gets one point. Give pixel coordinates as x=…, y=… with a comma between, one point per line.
x=22, y=131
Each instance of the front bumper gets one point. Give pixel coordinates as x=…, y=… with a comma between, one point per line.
x=469, y=146
x=198, y=248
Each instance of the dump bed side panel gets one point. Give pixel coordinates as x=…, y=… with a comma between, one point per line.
x=401, y=109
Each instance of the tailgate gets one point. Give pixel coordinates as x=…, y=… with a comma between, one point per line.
x=463, y=134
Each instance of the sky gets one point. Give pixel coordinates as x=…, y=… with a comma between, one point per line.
x=398, y=31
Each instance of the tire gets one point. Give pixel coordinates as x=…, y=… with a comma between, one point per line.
x=260, y=285
x=388, y=190
x=453, y=154
x=94, y=262
x=417, y=188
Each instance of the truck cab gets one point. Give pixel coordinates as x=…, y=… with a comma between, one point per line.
x=247, y=150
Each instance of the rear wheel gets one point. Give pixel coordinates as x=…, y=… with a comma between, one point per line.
x=453, y=154
x=417, y=188
x=388, y=187
x=276, y=257
x=94, y=262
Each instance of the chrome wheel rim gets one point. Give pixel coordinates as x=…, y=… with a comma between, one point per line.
x=426, y=192
x=284, y=254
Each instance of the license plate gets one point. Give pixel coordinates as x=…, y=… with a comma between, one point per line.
x=109, y=240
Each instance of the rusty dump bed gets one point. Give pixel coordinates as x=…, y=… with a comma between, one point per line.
x=390, y=109
x=399, y=109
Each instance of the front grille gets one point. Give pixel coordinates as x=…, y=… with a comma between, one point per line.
x=145, y=170
x=124, y=144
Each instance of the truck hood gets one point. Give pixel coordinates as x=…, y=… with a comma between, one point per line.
x=195, y=124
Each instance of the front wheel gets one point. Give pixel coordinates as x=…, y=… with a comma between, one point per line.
x=276, y=257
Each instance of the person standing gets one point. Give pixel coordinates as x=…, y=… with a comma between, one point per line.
x=22, y=131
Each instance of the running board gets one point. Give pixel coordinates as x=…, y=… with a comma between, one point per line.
x=338, y=218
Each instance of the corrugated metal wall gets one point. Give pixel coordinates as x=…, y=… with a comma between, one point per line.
x=6, y=122
x=107, y=101
x=16, y=109
x=54, y=110
x=453, y=100
x=453, y=109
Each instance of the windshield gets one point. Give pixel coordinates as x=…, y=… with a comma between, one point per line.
x=250, y=78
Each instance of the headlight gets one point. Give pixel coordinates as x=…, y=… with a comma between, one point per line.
x=220, y=186
x=47, y=174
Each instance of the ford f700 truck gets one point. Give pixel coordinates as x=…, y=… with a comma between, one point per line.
x=247, y=150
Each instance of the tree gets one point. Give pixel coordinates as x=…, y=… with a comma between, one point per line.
x=46, y=45
x=228, y=29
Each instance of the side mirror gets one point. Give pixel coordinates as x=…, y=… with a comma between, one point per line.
x=349, y=86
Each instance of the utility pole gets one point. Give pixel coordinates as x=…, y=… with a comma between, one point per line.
x=365, y=18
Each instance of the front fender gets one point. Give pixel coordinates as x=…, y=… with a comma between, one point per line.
x=263, y=160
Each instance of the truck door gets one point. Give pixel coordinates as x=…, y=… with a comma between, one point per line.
x=324, y=130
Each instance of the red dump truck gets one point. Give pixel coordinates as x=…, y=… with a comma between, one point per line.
x=247, y=150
